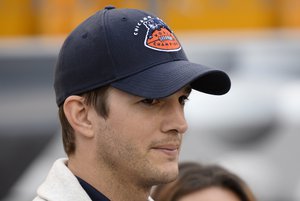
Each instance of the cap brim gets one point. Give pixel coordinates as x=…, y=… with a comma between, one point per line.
x=167, y=78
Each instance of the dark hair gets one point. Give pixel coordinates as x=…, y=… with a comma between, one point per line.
x=194, y=176
x=97, y=99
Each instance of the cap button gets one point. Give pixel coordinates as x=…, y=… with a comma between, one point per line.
x=109, y=7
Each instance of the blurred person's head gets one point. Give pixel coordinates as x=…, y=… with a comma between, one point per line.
x=197, y=182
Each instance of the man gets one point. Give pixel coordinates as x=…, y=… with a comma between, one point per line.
x=121, y=85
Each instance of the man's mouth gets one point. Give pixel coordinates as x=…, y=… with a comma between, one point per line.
x=169, y=149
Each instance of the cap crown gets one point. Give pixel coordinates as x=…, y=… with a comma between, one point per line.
x=110, y=45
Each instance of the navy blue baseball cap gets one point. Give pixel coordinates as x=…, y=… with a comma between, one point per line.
x=131, y=50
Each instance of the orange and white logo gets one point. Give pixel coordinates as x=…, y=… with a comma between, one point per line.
x=160, y=37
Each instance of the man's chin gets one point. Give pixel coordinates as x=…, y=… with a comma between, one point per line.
x=164, y=169
x=169, y=173
x=170, y=179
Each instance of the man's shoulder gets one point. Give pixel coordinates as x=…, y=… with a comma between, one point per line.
x=61, y=184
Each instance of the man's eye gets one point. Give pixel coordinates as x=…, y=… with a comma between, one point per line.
x=149, y=101
x=183, y=99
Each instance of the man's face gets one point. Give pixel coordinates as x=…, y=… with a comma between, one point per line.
x=140, y=140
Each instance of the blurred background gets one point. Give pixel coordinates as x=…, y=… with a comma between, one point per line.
x=253, y=130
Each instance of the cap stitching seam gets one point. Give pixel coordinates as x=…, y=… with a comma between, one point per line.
x=107, y=42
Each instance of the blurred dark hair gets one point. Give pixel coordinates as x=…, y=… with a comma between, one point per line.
x=194, y=177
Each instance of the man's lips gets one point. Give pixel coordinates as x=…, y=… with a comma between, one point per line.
x=169, y=149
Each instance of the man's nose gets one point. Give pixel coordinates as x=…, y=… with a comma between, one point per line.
x=175, y=120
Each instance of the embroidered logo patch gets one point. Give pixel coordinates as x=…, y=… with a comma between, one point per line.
x=159, y=36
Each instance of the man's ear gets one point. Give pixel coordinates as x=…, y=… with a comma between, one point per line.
x=76, y=111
